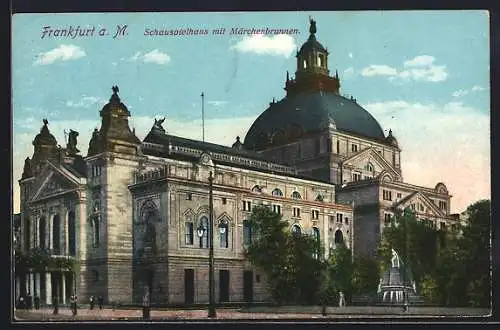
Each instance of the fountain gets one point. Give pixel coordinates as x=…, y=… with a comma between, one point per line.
x=396, y=282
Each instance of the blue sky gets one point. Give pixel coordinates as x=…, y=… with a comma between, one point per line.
x=425, y=74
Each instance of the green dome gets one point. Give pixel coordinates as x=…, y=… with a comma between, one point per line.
x=311, y=112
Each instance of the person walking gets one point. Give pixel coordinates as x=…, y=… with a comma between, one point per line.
x=74, y=307
x=92, y=302
x=100, y=301
x=146, y=306
x=37, y=301
x=341, y=299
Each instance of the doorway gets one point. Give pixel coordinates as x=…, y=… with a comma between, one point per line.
x=189, y=286
x=248, y=285
x=224, y=285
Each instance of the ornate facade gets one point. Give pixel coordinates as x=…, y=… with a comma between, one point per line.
x=134, y=214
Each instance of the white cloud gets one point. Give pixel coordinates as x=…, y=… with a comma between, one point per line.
x=85, y=102
x=154, y=56
x=463, y=92
x=378, y=70
x=61, y=53
x=422, y=60
x=22, y=144
x=281, y=45
x=459, y=93
x=478, y=88
x=217, y=103
x=451, y=145
x=420, y=68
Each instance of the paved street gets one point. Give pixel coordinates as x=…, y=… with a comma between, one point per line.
x=307, y=313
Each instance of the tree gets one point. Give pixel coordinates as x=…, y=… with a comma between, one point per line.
x=464, y=267
x=415, y=241
x=288, y=260
x=365, y=275
x=339, y=268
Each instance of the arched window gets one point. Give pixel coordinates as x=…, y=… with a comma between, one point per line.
x=305, y=64
x=277, y=192
x=189, y=229
x=204, y=238
x=224, y=234
x=339, y=237
x=56, y=234
x=369, y=167
x=150, y=237
x=42, y=232
x=256, y=189
x=296, y=230
x=296, y=195
x=247, y=233
x=316, y=236
x=71, y=234
x=95, y=231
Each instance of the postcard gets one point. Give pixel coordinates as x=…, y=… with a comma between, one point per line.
x=251, y=165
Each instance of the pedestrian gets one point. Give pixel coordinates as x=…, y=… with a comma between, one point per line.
x=100, y=301
x=74, y=307
x=37, y=301
x=341, y=299
x=146, y=306
x=92, y=302
x=22, y=303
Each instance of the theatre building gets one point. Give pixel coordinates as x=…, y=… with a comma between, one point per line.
x=126, y=216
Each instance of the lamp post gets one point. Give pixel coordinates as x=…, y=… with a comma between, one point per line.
x=405, y=239
x=211, y=287
x=201, y=232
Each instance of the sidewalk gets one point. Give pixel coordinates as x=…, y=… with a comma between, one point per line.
x=291, y=312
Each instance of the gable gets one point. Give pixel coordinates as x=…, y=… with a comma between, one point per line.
x=423, y=205
x=53, y=182
x=370, y=157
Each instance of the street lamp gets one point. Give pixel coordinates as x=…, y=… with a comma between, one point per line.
x=201, y=232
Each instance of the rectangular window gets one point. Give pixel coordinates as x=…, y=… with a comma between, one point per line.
x=387, y=195
x=354, y=147
x=412, y=206
x=189, y=233
x=224, y=200
x=346, y=220
x=338, y=146
x=421, y=207
x=387, y=218
x=356, y=177
x=442, y=205
x=277, y=209
x=247, y=206
x=398, y=195
x=442, y=225
x=189, y=196
x=315, y=214
x=339, y=217
x=296, y=212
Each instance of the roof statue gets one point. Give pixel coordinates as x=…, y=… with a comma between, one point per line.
x=312, y=28
x=115, y=89
x=45, y=122
x=72, y=142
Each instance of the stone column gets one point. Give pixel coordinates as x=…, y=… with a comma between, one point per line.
x=48, y=288
x=32, y=283
x=65, y=246
x=37, y=283
x=18, y=287
x=50, y=236
x=63, y=284
x=27, y=283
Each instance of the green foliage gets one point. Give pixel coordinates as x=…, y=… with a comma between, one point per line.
x=415, y=242
x=39, y=260
x=449, y=269
x=365, y=276
x=288, y=260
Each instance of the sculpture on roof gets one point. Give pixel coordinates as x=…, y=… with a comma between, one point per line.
x=158, y=124
x=72, y=142
x=312, y=28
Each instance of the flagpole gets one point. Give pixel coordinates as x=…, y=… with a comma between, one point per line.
x=203, y=116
